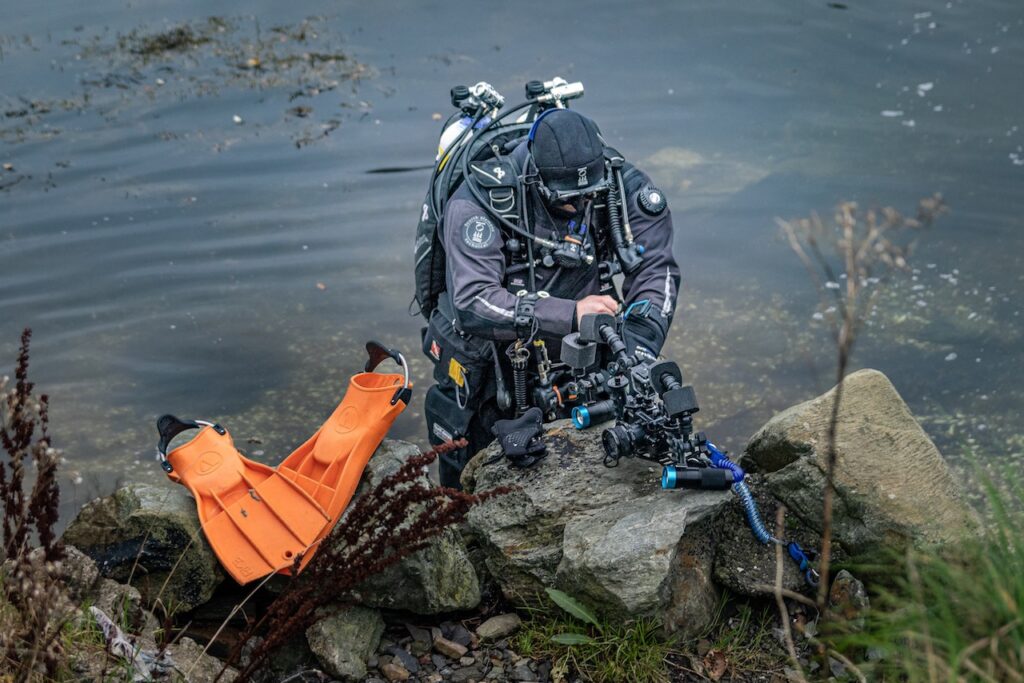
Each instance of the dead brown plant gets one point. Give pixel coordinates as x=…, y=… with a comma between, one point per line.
x=844, y=258
x=33, y=603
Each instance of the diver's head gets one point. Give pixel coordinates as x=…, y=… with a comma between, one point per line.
x=568, y=153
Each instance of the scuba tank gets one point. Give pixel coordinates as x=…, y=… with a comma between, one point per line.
x=476, y=123
x=469, y=101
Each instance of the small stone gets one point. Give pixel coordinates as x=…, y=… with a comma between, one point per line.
x=458, y=634
x=836, y=667
x=849, y=599
x=8, y=167
x=449, y=648
x=467, y=661
x=405, y=659
x=439, y=661
x=500, y=626
x=434, y=678
x=395, y=672
x=372, y=662
x=237, y=119
x=467, y=675
x=523, y=672
x=544, y=671
x=419, y=634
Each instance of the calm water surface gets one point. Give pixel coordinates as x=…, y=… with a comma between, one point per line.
x=188, y=234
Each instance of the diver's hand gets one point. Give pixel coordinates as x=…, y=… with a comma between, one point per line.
x=595, y=304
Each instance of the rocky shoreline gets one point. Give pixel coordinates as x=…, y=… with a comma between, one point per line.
x=607, y=536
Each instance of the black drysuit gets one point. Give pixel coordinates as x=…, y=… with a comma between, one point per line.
x=480, y=301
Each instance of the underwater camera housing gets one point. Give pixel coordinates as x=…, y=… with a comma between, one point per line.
x=652, y=408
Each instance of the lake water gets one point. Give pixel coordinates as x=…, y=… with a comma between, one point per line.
x=196, y=231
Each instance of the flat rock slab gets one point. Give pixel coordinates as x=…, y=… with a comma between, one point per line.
x=608, y=536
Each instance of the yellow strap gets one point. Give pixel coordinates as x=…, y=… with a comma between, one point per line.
x=457, y=372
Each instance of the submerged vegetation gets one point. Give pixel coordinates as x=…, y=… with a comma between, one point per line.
x=200, y=59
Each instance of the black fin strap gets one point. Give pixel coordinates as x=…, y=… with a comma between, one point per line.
x=169, y=427
x=378, y=354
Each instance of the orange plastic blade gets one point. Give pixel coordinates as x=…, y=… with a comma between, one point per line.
x=329, y=465
x=255, y=519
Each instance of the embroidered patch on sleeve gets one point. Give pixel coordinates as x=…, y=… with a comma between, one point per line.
x=478, y=232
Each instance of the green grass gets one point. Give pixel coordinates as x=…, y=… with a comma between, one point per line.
x=576, y=641
x=744, y=638
x=953, y=614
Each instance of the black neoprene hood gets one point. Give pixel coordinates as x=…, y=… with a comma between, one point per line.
x=568, y=151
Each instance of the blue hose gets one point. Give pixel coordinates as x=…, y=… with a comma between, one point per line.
x=753, y=515
x=720, y=460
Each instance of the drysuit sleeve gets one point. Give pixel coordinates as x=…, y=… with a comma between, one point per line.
x=476, y=273
x=657, y=280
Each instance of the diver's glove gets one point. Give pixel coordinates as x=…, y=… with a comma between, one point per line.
x=644, y=337
x=520, y=438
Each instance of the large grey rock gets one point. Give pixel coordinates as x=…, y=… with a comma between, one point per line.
x=150, y=535
x=440, y=578
x=608, y=536
x=891, y=484
x=343, y=641
x=195, y=666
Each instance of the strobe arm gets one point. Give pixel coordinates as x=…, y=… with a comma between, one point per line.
x=600, y=328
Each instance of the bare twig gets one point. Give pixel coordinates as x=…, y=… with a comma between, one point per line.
x=786, y=593
x=780, y=527
x=861, y=241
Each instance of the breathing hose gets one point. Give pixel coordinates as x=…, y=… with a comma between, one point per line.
x=742, y=491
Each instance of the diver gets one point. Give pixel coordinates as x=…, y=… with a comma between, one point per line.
x=543, y=229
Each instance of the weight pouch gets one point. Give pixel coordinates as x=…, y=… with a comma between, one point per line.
x=463, y=363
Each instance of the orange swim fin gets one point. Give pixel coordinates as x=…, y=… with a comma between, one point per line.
x=329, y=465
x=256, y=520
